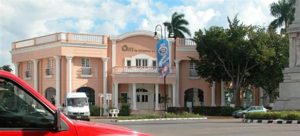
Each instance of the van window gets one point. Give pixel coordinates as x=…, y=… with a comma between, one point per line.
x=77, y=102
x=20, y=110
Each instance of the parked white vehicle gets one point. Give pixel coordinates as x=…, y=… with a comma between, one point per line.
x=77, y=106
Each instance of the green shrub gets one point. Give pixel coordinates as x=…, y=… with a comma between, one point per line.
x=95, y=110
x=182, y=115
x=177, y=110
x=148, y=116
x=125, y=110
x=292, y=116
x=214, y=111
x=274, y=115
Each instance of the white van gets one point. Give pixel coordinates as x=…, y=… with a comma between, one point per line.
x=77, y=106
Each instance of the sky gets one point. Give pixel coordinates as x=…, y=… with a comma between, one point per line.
x=23, y=19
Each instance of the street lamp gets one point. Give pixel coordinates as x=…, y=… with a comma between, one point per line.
x=159, y=28
x=163, y=54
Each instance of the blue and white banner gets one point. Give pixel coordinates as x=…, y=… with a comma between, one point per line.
x=163, y=57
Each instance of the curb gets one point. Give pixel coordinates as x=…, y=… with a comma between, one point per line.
x=278, y=121
x=160, y=119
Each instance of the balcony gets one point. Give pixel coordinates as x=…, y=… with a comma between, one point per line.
x=135, y=69
x=134, y=74
x=86, y=72
x=185, y=42
x=194, y=73
x=62, y=37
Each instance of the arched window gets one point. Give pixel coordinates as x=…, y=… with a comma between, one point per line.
x=50, y=93
x=193, y=97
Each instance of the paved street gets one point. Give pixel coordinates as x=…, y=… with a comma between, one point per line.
x=212, y=127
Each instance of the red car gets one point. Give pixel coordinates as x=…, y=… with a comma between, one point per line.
x=24, y=112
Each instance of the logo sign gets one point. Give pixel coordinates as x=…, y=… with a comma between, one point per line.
x=163, y=57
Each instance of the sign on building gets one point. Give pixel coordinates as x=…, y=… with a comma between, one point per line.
x=163, y=57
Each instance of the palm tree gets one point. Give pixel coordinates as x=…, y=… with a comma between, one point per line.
x=284, y=11
x=178, y=23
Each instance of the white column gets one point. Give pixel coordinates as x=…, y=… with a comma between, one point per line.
x=35, y=71
x=173, y=95
x=16, y=69
x=105, y=106
x=116, y=92
x=114, y=50
x=177, y=62
x=17, y=74
x=57, y=80
x=134, y=96
x=69, y=63
x=213, y=94
x=156, y=97
x=222, y=94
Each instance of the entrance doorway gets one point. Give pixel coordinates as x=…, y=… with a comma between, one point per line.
x=90, y=93
x=193, y=97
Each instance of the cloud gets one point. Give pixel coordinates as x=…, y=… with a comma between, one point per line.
x=22, y=19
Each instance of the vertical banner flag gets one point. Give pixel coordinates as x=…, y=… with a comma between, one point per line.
x=163, y=57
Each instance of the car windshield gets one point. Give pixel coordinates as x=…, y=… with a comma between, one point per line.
x=77, y=102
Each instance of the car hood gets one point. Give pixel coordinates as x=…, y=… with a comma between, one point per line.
x=85, y=128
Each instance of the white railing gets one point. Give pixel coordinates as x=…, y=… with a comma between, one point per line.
x=86, y=71
x=49, y=71
x=25, y=43
x=194, y=73
x=66, y=37
x=185, y=42
x=85, y=38
x=135, y=69
x=46, y=39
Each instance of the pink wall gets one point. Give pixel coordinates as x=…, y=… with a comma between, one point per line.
x=187, y=83
x=137, y=45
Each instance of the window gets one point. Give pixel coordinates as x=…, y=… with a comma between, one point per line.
x=142, y=96
x=128, y=63
x=85, y=62
x=20, y=110
x=193, y=69
x=138, y=98
x=28, y=70
x=154, y=63
x=49, y=67
x=86, y=66
x=141, y=62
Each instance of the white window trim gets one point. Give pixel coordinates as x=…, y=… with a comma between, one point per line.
x=86, y=63
x=190, y=68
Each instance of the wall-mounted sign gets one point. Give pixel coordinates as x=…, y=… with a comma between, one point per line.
x=126, y=48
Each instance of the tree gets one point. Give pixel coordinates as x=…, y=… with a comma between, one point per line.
x=6, y=68
x=269, y=75
x=178, y=23
x=231, y=54
x=283, y=11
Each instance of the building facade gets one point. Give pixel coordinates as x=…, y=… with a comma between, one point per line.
x=124, y=66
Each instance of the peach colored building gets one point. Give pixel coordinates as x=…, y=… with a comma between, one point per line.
x=124, y=66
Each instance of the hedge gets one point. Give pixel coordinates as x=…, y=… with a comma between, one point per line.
x=215, y=111
x=209, y=111
x=177, y=110
x=95, y=110
x=285, y=115
x=125, y=110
